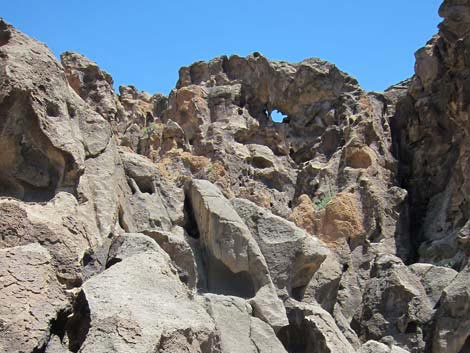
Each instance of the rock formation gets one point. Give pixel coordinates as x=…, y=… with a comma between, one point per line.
x=133, y=222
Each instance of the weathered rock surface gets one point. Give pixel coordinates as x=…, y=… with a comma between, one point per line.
x=377, y=347
x=239, y=331
x=452, y=330
x=134, y=222
x=432, y=142
x=234, y=262
x=394, y=304
x=140, y=305
x=312, y=329
x=434, y=279
x=292, y=255
x=31, y=298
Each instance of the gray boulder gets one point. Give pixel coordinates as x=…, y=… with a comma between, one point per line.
x=452, y=328
x=292, y=255
x=140, y=305
x=235, y=264
x=31, y=298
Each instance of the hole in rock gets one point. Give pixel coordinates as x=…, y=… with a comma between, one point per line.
x=59, y=323
x=71, y=110
x=294, y=338
x=278, y=117
x=190, y=224
x=31, y=168
x=78, y=324
x=221, y=280
x=298, y=293
x=52, y=109
x=87, y=257
x=5, y=35
x=40, y=349
x=112, y=262
x=145, y=185
x=260, y=162
x=412, y=327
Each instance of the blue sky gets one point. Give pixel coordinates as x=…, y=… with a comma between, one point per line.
x=145, y=42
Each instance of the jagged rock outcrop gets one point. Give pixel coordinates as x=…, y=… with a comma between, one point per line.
x=234, y=263
x=452, y=333
x=432, y=126
x=133, y=222
x=130, y=113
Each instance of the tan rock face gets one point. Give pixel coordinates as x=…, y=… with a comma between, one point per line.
x=342, y=218
x=337, y=218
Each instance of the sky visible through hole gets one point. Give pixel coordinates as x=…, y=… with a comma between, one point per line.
x=144, y=43
x=277, y=116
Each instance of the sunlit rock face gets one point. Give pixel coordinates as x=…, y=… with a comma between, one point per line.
x=263, y=206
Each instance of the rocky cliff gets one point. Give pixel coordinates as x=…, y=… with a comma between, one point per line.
x=133, y=222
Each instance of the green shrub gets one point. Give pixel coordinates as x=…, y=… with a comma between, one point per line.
x=320, y=202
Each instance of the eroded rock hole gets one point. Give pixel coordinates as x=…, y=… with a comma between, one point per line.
x=294, y=338
x=112, y=262
x=298, y=293
x=277, y=116
x=221, y=280
x=190, y=224
x=31, y=168
x=58, y=324
x=52, y=109
x=78, y=324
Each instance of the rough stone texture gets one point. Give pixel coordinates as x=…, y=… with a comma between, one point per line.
x=133, y=199
x=239, y=331
x=234, y=262
x=377, y=347
x=140, y=305
x=54, y=225
x=434, y=279
x=131, y=114
x=452, y=330
x=312, y=329
x=432, y=124
x=292, y=255
x=156, y=203
x=394, y=304
x=31, y=298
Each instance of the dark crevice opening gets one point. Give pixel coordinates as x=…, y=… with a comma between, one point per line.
x=112, y=262
x=59, y=323
x=5, y=33
x=294, y=337
x=78, y=324
x=298, y=293
x=221, y=280
x=190, y=224
x=41, y=349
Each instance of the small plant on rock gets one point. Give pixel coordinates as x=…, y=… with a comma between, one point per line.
x=321, y=199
